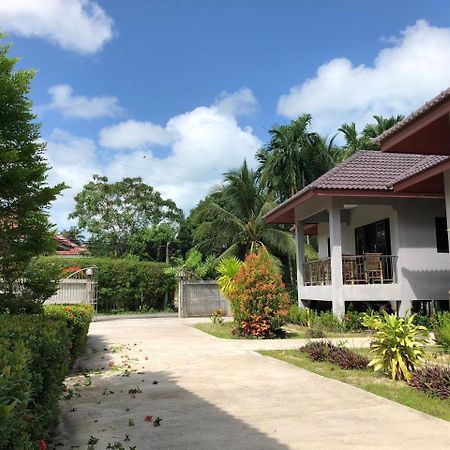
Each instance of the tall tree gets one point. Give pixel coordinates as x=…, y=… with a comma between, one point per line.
x=294, y=157
x=24, y=192
x=112, y=212
x=232, y=219
x=355, y=141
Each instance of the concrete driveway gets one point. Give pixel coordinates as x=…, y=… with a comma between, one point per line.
x=221, y=394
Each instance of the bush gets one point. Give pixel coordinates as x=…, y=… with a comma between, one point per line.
x=434, y=381
x=353, y=321
x=396, y=344
x=343, y=357
x=328, y=321
x=77, y=319
x=299, y=316
x=15, y=394
x=441, y=329
x=47, y=340
x=315, y=333
x=35, y=354
x=259, y=301
x=123, y=284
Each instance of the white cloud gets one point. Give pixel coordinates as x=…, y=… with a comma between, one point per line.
x=201, y=145
x=412, y=70
x=132, y=134
x=77, y=25
x=239, y=103
x=205, y=143
x=72, y=160
x=80, y=106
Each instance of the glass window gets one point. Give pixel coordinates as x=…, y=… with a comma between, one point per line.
x=441, y=234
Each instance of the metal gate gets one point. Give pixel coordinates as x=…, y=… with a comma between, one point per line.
x=200, y=299
x=77, y=288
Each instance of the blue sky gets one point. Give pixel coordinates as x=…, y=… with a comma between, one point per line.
x=179, y=91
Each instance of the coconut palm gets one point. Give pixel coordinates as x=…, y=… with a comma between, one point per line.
x=233, y=218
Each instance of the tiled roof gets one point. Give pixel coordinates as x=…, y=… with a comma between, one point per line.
x=370, y=171
x=67, y=247
x=444, y=95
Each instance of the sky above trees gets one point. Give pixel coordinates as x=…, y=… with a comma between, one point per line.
x=180, y=92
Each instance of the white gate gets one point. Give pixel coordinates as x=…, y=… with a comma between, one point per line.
x=77, y=288
x=200, y=299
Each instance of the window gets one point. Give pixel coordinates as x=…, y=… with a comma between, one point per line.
x=441, y=234
x=374, y=237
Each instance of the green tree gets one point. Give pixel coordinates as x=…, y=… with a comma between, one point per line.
x=355, y=141
x=74, y=234
x=232, y=218
x=24, y=192
x=113, y=212
x=294, y=157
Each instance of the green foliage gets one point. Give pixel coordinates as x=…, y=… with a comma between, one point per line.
x=441, y=329
x=396, y=344
x=259, y=300
x=113, y=212
x=124, y=284
x=294, y=157
x=15, y=394
x=232, y=219
x=77, y=319
x=34, y=360
x=227, y=269
x=194, y=263
x=25, y=195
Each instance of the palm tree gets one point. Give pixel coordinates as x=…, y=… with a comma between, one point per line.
x=363, y=141
x=232, y=219
x=294, y=157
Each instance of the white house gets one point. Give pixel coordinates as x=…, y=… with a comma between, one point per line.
x=381, y=218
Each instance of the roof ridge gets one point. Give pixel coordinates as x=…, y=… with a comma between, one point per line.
x=416, y=114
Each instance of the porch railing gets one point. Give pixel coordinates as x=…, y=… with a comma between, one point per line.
x=317, y=272
x=371, y=268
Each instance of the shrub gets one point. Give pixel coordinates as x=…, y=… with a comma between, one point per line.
x=343, y=357
x=395, y=345
x=47, y=340
x=15, y=394
x=259, y=301
x=123, y=284
x=353, y=321
x=434, y=381
x=315, y=333
x=441, y=329
x=217, y=317
x=328, y=321
x=227, y=269
x=77, y=319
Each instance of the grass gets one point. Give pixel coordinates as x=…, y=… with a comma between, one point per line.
x=224, y=331
x=376, y=383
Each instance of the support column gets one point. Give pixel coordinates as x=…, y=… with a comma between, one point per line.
x=300, y=255
x=336, y=257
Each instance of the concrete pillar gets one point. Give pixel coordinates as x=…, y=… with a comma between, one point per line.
x=300, y=254
x=336, y=257
x=447, y=199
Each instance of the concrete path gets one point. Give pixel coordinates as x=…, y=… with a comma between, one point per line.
x=220, y=394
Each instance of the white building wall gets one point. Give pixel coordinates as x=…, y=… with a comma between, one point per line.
x=424, y=274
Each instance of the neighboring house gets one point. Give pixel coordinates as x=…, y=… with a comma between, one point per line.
x=66, y=247
x=381, y=219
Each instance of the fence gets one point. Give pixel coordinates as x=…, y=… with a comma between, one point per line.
x=78, y=287
x=200, y=299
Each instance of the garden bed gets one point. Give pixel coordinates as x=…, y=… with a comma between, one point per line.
x=376, y=383
x=224, y=331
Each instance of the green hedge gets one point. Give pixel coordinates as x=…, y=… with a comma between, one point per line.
x=77, y=319
x=123, y=284
x=36, y=352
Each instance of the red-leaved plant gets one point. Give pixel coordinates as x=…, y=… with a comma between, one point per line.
x=259, y=301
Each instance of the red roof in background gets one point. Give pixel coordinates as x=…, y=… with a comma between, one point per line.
x=66, y=247
x=365, y=172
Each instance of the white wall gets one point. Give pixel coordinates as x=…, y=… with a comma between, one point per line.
x=424, y=273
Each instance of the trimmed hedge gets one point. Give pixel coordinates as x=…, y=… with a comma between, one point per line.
x=35, y=356
x=77, y=319
x=123, y=284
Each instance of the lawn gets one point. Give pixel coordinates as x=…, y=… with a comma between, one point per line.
x=370, y=381
x=224, y=331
